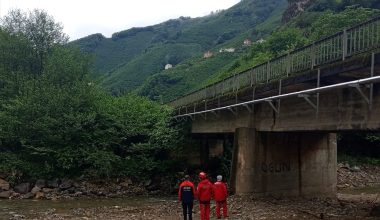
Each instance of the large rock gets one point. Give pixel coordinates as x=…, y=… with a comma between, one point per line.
x=295, y=7
x=28, y=196
x=5, y=194
x=47, y=190
x=66, y=184
x=35, y=189
x=4, y=185
x=40, y=183
x=53, y=183
x=22, y=188
x=40, y=195
x=126, y=183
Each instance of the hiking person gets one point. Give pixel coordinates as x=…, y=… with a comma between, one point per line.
x=204, y=193
x=220, y=196
x=186, y=194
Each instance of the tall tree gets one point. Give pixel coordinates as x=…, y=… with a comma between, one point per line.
x=38, y=28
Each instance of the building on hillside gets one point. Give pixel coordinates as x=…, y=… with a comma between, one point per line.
x=227, y=50
x=208, y=54
x=260, y=41
x=247, y=42
x=168, y=66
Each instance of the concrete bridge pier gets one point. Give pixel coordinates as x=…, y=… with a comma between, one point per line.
x=284, y=163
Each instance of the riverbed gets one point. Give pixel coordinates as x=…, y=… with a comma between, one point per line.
x=357, y=203
x=72, y=208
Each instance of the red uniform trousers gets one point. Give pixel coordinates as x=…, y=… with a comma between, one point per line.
x=205, y=210
x=219, y=205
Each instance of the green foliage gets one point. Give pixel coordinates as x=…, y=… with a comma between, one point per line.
x=187, y=76
x=360, y=145
x=38, y=28
x=309, y=27
x=331, y=22
x=278, y=43
x=339, y=5
x=131, y=75
x=285, y=41
x=58, y=123
x=354, y=160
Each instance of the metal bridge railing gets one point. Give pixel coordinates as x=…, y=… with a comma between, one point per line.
x=360, y=38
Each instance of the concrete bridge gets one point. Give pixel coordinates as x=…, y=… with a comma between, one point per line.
x=284, y=114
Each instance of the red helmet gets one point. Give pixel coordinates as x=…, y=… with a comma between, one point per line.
x=202, y=175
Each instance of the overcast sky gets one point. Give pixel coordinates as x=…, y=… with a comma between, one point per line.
x=84, y=17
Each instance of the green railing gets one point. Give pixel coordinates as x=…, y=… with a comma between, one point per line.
x=358, y=39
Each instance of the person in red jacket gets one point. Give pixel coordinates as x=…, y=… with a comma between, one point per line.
x=186, y=194
x=204, y=193
x=220, y=196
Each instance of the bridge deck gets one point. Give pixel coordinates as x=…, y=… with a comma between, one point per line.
x=342, y=57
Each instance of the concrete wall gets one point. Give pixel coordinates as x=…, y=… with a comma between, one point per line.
x=284, y=164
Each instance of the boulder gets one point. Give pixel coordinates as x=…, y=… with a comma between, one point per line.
x=126, y=183
x=22, y=188
x=77, y=194
x=17, y=217
x=40, y=183
x=66, y=184
x=355, y=169
x=4, y=185
x=53, y=183
x=148, y=183
x=5, y=194
x=35, y=189
x=28, y=196
x=15, y=195
x=3, y=175
x=40, y=195
x=47, y=190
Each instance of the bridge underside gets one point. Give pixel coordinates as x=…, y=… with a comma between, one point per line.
x=288, y=146
x=335, y=110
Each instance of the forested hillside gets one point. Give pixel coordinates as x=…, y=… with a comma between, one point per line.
x=317, y=20
x=134, y=60
x=124, y=61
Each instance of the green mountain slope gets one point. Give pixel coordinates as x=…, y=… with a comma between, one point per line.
x=127, y=59
x=312, y=23
x=195, y=73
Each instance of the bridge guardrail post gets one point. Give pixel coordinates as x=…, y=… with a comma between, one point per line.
x=268, y=70
x=312, y=56
x=288, y=65
x=344, y=44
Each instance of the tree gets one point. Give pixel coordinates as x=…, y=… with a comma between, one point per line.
x=332, y=22
x=38, y=28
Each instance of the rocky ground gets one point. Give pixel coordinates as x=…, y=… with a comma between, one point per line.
x=357, y=176
x=241, y=207
x=347, y=205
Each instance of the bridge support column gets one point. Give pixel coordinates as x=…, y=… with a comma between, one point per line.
x=243, y=161
x=284, y=164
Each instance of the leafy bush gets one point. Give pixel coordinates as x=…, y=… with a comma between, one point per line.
x=58, y=123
